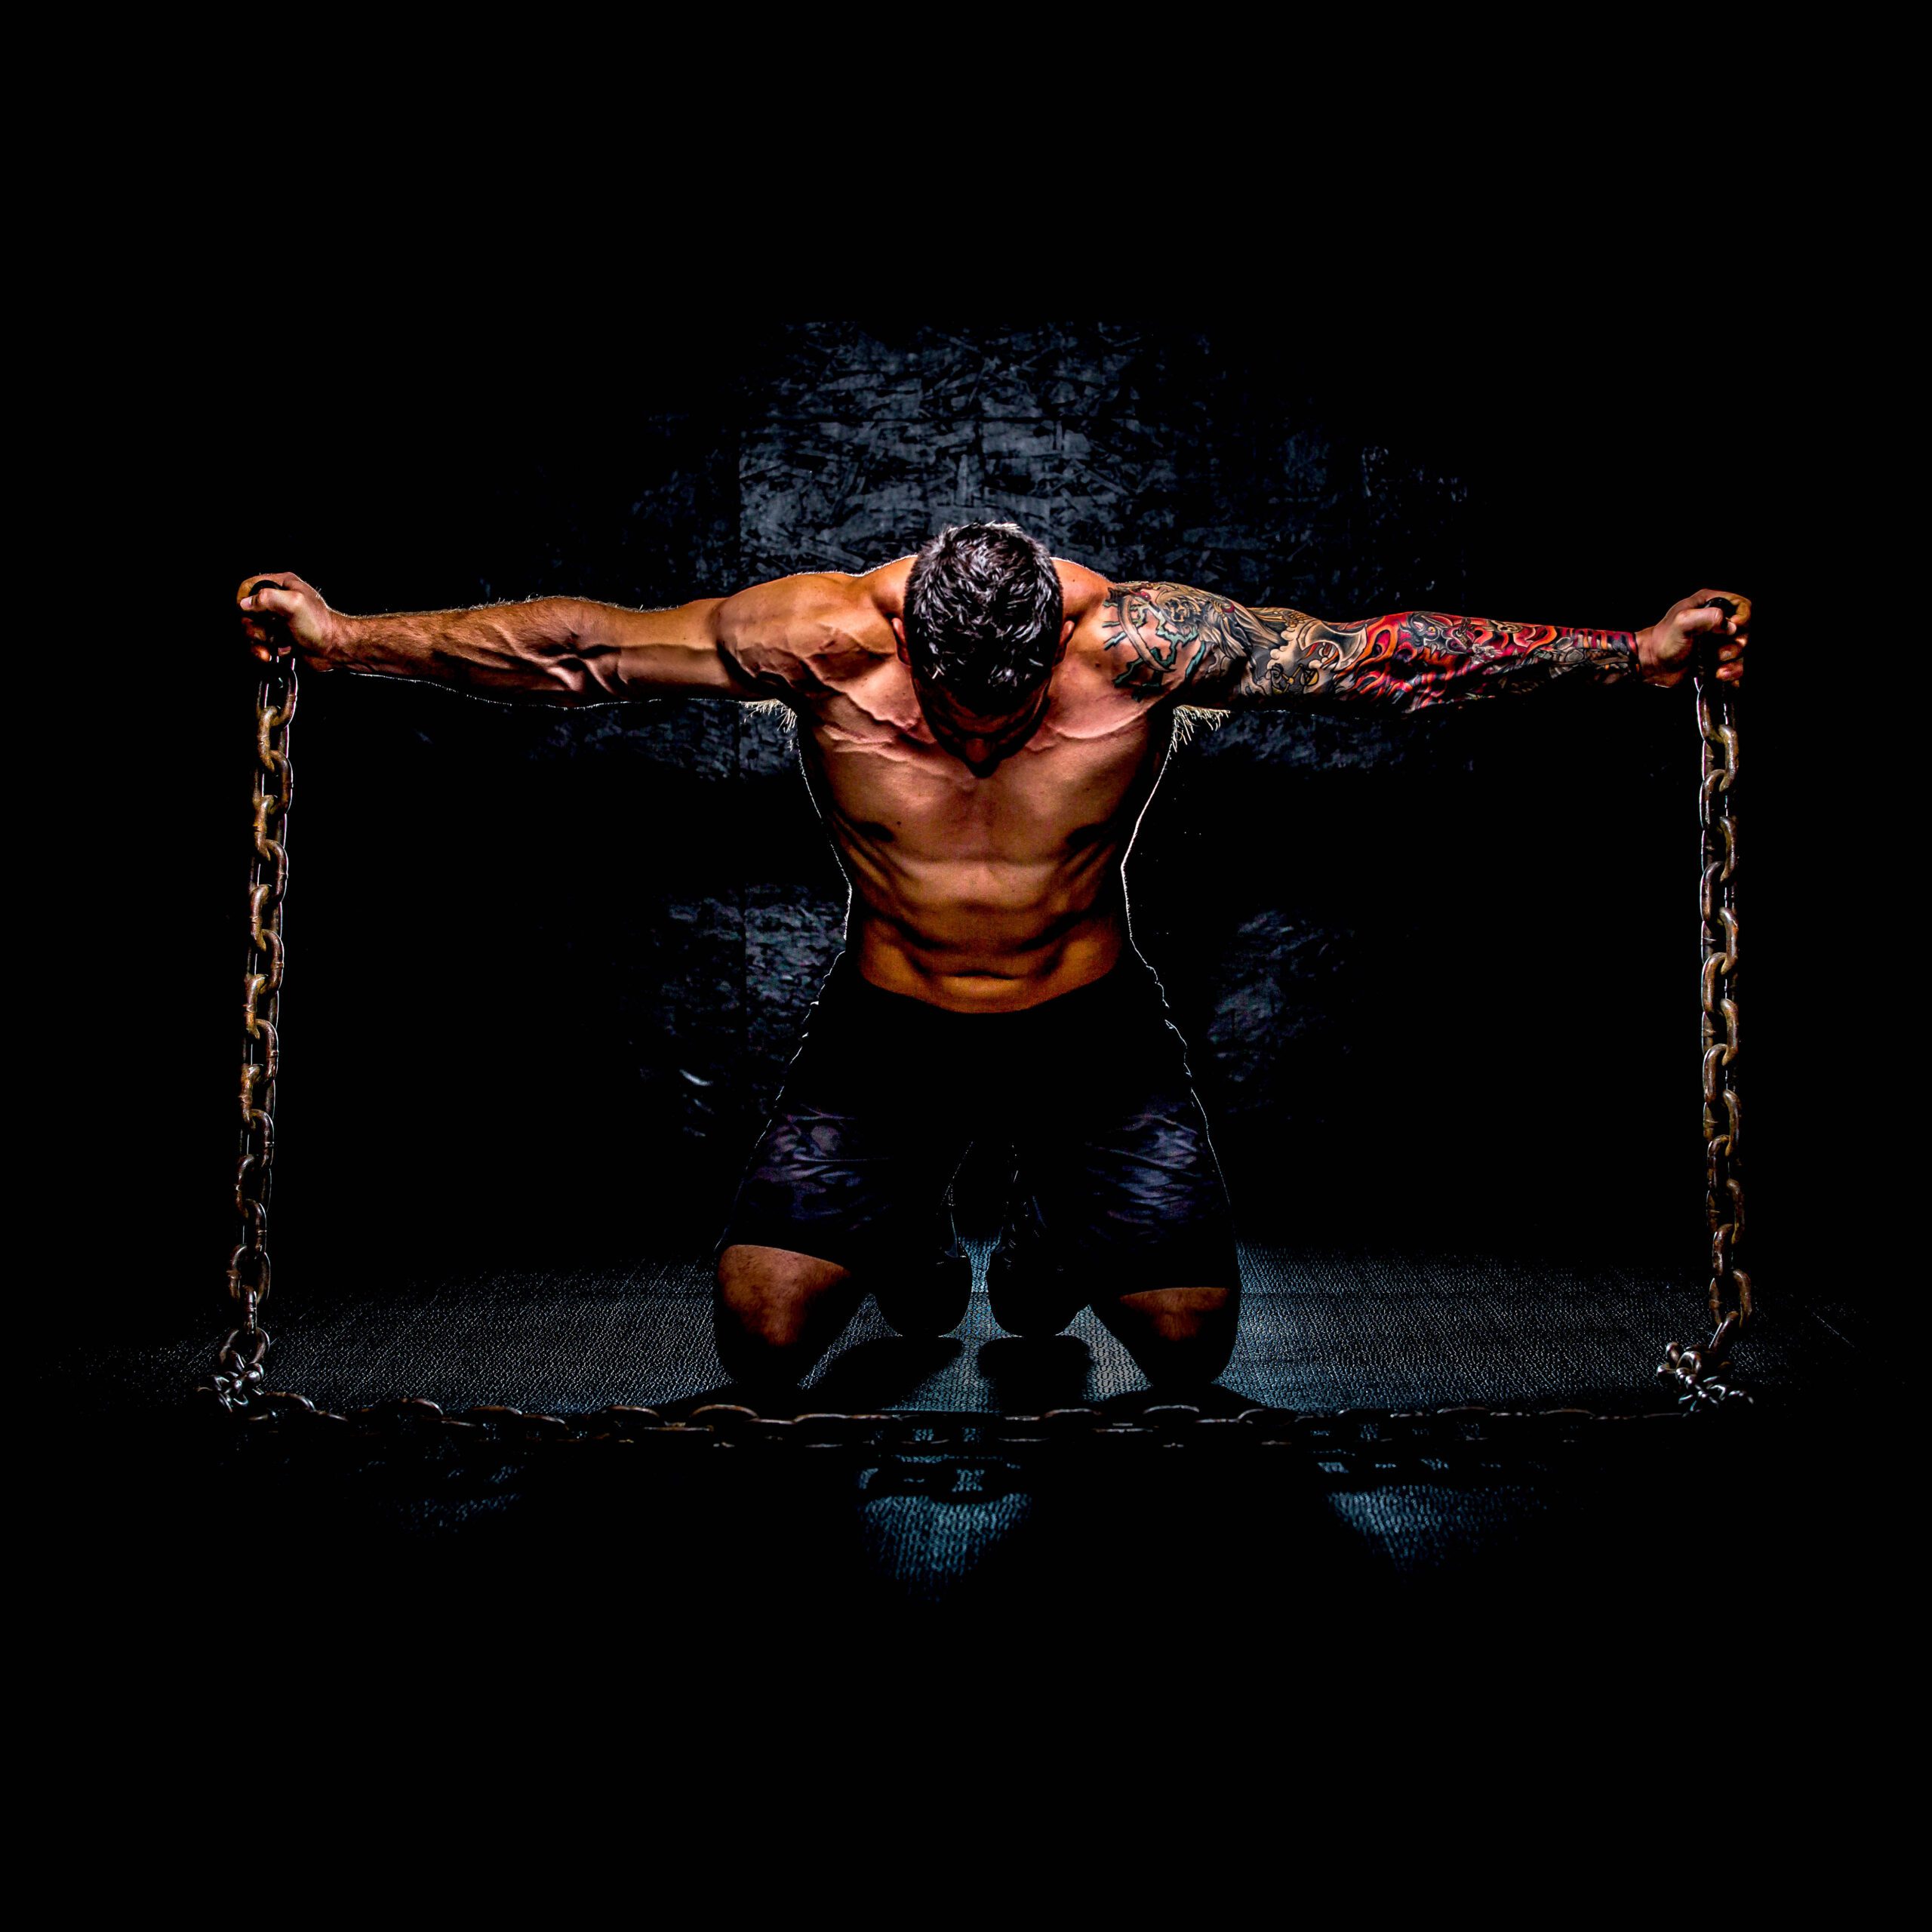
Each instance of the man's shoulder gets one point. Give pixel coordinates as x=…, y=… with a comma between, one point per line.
x=1082, y=590
x=1156, y=637
x=794, y=631
x=1086, y=596
x=808, y=598
x=1093, y=602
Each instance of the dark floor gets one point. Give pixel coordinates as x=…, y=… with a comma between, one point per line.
x=1777, y=1525
x=1321, y=1329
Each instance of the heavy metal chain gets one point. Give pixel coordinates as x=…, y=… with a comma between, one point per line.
x=238, y=1365
x=1699, y=1373
x=969, y=1456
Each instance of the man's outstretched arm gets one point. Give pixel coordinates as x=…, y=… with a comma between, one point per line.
x=555, y=649
x=1170, y=640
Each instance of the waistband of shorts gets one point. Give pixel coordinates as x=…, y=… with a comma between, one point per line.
x=1131, y=984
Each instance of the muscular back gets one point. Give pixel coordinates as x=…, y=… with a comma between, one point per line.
x=978, y=892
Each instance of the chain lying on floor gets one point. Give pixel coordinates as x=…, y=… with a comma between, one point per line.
x=965, y=1455
x=1700, y=1376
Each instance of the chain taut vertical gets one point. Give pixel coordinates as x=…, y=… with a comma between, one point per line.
x=239, y=1366
x=1700, y=1373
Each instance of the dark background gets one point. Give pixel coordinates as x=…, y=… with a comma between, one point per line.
x=545, y=967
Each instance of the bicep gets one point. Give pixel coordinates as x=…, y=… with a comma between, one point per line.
x=672, y=650
x=745, y=646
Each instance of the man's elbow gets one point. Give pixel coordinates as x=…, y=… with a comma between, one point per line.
x=566, y=659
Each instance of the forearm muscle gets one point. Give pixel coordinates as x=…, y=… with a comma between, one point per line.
x=1170, y=640
x=558, y=650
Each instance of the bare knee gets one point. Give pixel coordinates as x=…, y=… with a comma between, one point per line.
x=776, y=1312
x=1179, y=1315
x=766, y=1304
x=1177, y=1336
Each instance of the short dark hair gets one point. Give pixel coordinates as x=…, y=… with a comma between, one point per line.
x=983, y=615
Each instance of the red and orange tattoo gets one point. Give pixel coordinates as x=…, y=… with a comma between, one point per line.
x=1209, y=650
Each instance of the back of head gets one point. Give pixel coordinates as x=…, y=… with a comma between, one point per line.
x=983, y=615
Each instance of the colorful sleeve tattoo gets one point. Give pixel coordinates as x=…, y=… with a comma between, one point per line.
x=1169, y=641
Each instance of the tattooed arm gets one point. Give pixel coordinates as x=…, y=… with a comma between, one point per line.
x=1166, y=640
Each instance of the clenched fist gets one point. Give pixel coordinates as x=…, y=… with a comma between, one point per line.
x=287, y=612
x=1667, y=650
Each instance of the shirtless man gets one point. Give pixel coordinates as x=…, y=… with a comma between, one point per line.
x=981, y=726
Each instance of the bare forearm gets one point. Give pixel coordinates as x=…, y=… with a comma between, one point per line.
x=557, y=650
x=1170, y=640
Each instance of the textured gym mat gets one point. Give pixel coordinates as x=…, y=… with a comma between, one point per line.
x=1320, y=1330
x=1054, y=1559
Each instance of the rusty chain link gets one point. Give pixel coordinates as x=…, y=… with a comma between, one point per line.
x=238, y=1373
x=1701, y=1374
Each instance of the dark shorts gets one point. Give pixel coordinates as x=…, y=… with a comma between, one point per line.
x=1114, y=1185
